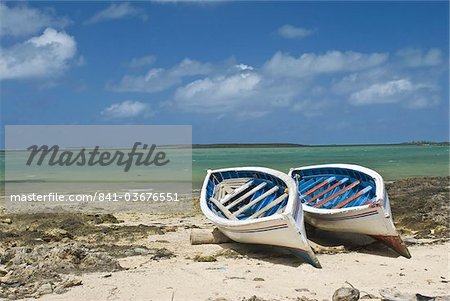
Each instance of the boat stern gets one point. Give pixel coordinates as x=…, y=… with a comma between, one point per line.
x=394, y=242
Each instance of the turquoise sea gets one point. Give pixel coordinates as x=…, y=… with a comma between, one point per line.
x=391, y=161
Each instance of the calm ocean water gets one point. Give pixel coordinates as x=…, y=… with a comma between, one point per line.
x=392, y=162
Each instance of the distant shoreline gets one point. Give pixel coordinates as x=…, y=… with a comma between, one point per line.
x=274, y=145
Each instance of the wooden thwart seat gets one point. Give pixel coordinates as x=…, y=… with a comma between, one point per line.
x=269, y=206
x=326, y=182
x=337, y=194
x=258, y=199
x=353, y=197
x=227, y=189
x=235, y=183
x=222, y=208
x=236, y=192
x=308, y=184
x=246, y=195
x=327, y=190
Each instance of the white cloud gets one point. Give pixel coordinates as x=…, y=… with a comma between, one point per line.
x=291, y=32
x=141, y=61
x=355, y=81
x=419, y=58
x=244, y=92
x=390, y=84
x=310, y=64
x=244, y=67
x=386, y=92
x=22, y=20
x=44, y=56
x=159, y=79
x=127, y=109
x=221, y=93
x=115, y=12
x=311, y=84
x=414, y=95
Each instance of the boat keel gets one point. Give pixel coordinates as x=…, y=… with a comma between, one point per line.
x=395, y=243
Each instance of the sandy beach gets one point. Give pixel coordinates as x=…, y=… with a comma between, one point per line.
x=238, y=273
x=265, y=273
x=135, y=256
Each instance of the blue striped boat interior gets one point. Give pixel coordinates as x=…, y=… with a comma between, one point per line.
x=333, y=188
x=246, y=193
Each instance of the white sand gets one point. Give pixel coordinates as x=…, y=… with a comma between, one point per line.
x=285, y=278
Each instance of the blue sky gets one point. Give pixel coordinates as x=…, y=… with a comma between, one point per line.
x=239, y=72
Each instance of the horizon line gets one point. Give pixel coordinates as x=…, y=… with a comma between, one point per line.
x=276, y=144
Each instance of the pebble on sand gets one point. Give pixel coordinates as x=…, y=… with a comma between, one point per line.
x=346, y=294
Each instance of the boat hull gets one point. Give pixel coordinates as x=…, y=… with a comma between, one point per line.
x=368, y=221
x=281, y=232
x=285, y=229
x=373, y=219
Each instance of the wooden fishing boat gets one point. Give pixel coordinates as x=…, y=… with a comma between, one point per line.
x=256, y=205
x=347, y=198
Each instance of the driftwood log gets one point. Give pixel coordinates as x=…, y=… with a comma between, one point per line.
x=319, y=249
x=214, y=236
x=208, y=236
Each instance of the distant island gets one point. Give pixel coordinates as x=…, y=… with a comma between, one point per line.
x=244, y=145
x=273, y=145
x=269, y=145
x=426, y=143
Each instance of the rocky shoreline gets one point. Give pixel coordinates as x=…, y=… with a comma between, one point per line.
x=420, y=206
x=45, y=254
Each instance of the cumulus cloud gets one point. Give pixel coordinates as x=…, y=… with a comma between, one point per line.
x=221, y=93
x=395, y=91
x=160, y=79
x=419, y=58
x=291, y=32
x=244, y=67
x=311, y=84
x=22, y=20
x=389, y=84
x=354, y=81
x=127, y=109
x=46, y=55
x=115, y=12
x=386, y=92
x=242, y=90
x=310, y=64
